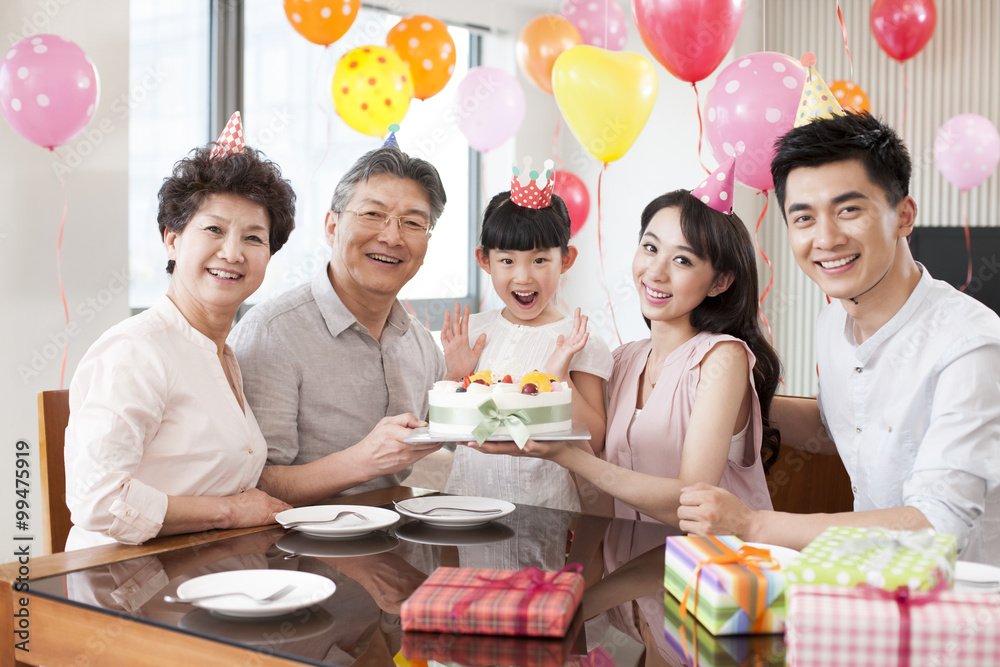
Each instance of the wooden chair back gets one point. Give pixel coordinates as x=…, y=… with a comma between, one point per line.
x=53, y=416
x=806, y=483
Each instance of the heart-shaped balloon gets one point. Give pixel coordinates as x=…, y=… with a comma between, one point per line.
x=605, y=96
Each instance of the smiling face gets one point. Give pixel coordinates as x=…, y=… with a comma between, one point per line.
x=220, y=256
x=526, y=281
x=671, y=280
x=843, y=232
x=375, y=263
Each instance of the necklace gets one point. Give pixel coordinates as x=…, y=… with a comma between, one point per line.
x=649, y=376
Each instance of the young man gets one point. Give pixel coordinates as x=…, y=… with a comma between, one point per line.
x=336, y=370
x=909, y=368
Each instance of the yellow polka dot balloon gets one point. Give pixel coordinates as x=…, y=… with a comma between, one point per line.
x=372, y=88
x=423, y=42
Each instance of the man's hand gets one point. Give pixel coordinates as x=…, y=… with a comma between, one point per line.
x=566, y=348
x=460, y=358
x=709, y=510
x=384, y=448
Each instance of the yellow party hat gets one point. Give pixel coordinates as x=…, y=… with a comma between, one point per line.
x=817, y=101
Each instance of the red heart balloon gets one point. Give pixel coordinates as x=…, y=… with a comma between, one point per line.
x=689, y=37
x=903, y=27
x=574, y=193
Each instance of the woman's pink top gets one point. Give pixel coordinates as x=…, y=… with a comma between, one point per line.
x=652, y=442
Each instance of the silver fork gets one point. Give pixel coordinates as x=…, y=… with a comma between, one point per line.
x=447, y=509
x=305, y=522
x=259, y=600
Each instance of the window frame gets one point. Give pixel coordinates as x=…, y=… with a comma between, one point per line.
x=226, y=62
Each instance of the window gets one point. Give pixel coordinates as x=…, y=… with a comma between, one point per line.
x=288, y=113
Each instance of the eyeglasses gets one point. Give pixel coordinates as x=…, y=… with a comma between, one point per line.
x=408, y=224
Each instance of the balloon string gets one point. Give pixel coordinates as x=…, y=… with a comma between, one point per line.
x=697, y=107
x=600, y=255
x=968, y=244
x=906, y=97
x=62, y=291
x=555, y=141
x=326, y=121
x=843, y=29
x=482, y=183
x=769, y=266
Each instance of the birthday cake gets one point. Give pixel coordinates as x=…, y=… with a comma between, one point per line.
x=483, y=404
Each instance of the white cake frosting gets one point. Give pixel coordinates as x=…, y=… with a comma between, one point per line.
x=458, y=413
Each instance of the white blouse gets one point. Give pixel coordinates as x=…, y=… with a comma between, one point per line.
x=151, y=415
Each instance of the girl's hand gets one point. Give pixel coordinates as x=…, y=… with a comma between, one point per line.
x=566, y=348
x=460, y=358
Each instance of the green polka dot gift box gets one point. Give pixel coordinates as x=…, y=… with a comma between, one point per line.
x=878, y=557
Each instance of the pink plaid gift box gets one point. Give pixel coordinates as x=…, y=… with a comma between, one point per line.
x=830, y=626
x=495, y=602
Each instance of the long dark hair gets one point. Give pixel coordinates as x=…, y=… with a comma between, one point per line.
x=723, y=239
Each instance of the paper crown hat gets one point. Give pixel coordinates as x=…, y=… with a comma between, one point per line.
x=716, y=191
x=391, y=139
x=231, y=140
x=529, y=188
x=816, y=101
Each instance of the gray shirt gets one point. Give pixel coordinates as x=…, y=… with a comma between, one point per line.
x=318, y=382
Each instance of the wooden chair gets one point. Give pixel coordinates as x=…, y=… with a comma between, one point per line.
x=53, y=415
x=805, y=483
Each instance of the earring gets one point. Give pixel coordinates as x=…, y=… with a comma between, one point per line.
x=711, y=293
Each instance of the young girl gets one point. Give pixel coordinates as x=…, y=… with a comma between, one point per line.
x=525, y=249
x=691, y=402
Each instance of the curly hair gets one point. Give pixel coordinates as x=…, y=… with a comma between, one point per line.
x=248, y=174
x=507, y=226
x=724, y=241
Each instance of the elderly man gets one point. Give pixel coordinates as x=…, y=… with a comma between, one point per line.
x=335, y=370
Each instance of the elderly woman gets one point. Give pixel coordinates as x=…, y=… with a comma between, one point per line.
x=161, y=439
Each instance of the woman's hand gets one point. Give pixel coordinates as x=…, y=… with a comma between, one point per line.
x=549, y=449
x=460, y=358
x=566, y=348
x=709, y=510
x=253, y=507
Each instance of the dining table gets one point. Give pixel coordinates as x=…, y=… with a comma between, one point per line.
x=106, y=605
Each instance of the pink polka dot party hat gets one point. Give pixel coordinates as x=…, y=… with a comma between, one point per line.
x=530, y=189
x=716, y=191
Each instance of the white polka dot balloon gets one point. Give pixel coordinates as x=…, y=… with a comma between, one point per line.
x=753, y=100
x=967, y=150
x=48, y=89
x=601, y=23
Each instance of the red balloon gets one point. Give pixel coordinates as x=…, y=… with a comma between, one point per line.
x=574, y=194
x=903, y=27
x=689, y=37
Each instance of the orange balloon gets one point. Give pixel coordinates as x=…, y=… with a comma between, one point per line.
x=851, y=96
x=542, y=41
x=322, y=21
x=424, y=44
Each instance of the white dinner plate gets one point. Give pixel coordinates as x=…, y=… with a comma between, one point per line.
x=421, y=533
x=367, y=545
x=458, y=519
x=579, y=431
x=259, y=631
x=309, y=589
x=967, y=571
x=783, y=555
x=375, y=518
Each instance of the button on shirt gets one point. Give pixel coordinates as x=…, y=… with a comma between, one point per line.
x=152, y=414
x=319, y=382
x=915, y=411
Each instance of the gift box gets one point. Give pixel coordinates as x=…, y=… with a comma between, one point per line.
x=920, y=560
x=475, y=650
x=700, y=648
x=495, y=602
x=834, y=625
x=730, y=588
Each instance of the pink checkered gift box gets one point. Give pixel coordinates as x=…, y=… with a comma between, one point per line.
x=830, y=626
x=527, y=602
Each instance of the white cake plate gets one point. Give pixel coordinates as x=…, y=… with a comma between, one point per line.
x=579, y=431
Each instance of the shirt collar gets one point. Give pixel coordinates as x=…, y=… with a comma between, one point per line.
x=167, y=310
x=336, y=315
x=864, y=351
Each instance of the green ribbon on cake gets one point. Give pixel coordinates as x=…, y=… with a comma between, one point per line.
x=516, y=422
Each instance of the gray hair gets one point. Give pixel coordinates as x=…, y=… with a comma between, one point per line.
x=392, y=161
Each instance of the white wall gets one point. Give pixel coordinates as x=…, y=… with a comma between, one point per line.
x=94, y=248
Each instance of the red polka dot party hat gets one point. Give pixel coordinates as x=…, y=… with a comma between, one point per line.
x=530, y=189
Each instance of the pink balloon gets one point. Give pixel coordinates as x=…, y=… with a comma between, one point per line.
x=754, y=100
x=48, y=89
x=967, y=150
x=489, y=107
x=601, y=23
